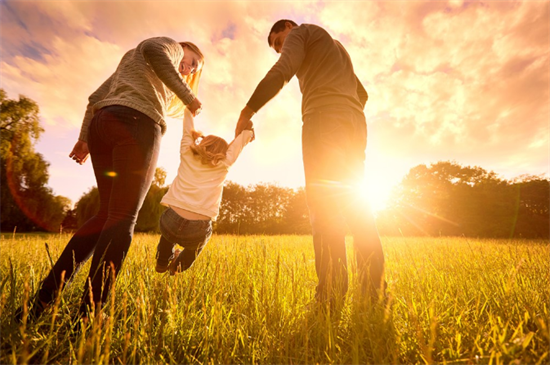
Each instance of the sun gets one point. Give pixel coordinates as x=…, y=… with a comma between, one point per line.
x=377, y=193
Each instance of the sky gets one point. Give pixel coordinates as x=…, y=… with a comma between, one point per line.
x=463, y=81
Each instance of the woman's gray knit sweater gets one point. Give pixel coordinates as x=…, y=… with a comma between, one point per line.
x=146, y=80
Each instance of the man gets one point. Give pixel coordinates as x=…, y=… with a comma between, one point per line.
x=334, y=138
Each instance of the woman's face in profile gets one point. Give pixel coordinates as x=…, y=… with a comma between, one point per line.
x=189, y=63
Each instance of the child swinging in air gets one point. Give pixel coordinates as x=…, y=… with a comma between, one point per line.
x=194, y=197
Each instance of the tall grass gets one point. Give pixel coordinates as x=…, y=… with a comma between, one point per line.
x=249, y=300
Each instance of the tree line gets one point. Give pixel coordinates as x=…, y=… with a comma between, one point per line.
x=27, y=203
x=440, y=199
x=447, y=199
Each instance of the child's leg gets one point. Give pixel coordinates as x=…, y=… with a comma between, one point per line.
x=191, y=251
x=188, y=256
x=164, y=252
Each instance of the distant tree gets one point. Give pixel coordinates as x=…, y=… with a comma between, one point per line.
x=150, y=212
x=27, y=203
x=296, y=214
x=87, y=206
x=267, y=204
x=532, y=197
x=262, y=209
x=159, y=179
x=234, y=210
x=69, y=223
x=446, y=198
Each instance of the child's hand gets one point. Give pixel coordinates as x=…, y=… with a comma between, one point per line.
x=195, y=107
x=250, y=127
x=244, y=120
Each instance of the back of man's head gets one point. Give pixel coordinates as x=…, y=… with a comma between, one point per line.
x=279, y=26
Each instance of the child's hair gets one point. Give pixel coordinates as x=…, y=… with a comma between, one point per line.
x=210, y=149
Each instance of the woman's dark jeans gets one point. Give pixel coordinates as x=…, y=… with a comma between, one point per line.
x=333, y=148
x=192, y=235
x=124, y=146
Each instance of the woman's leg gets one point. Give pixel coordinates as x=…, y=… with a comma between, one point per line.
x=135, y=141
x=83, y=243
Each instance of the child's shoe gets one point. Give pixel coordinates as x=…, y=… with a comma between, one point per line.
x=174, y=266
x=161, y=267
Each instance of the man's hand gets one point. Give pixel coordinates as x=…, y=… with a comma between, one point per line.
x=195, y=107
x=80, y=152
x=250, y=127
x=244, y=120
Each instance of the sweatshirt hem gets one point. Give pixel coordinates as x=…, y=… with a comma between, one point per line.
x=154, y=116
x=169, y=202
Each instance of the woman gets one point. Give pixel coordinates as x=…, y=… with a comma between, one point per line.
x=122, y=128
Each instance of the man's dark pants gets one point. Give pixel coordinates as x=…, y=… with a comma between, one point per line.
x=333, y=147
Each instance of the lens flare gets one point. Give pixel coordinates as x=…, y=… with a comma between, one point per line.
x=18, y=192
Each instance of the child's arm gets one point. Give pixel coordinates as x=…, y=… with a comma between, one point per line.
x=188, y=126
x=236, y=147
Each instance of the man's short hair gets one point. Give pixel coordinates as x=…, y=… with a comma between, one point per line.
x=279, y=26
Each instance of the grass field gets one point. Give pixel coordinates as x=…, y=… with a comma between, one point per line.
x=248, y=300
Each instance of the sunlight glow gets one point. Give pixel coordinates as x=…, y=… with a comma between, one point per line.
x=377, y=193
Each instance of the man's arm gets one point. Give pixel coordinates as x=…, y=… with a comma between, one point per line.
x=361, y=93
x=292, y=56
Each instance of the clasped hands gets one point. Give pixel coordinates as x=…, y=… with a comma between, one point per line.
x=244, y=122
x=80, y=152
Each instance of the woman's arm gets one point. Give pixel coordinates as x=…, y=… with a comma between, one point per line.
x=96, y=96
x=156, y=52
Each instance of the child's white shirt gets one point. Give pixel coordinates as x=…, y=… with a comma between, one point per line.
x=197, y=187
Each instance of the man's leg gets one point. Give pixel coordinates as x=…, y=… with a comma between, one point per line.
x=368, y=247
x=323, y=154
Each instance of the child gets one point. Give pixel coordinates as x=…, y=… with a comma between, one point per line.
x=194, y=197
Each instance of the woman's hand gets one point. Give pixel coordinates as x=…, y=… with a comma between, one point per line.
x=195, y=107
x=80, y=152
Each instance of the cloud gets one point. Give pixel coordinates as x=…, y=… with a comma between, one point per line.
x=463, y=79
x=459, y=80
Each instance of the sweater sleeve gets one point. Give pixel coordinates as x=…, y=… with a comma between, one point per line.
x=237, y=146
x=96, y=96
x=292, y=56
x=157, y=53
x=188, y=126
x=361, y=93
